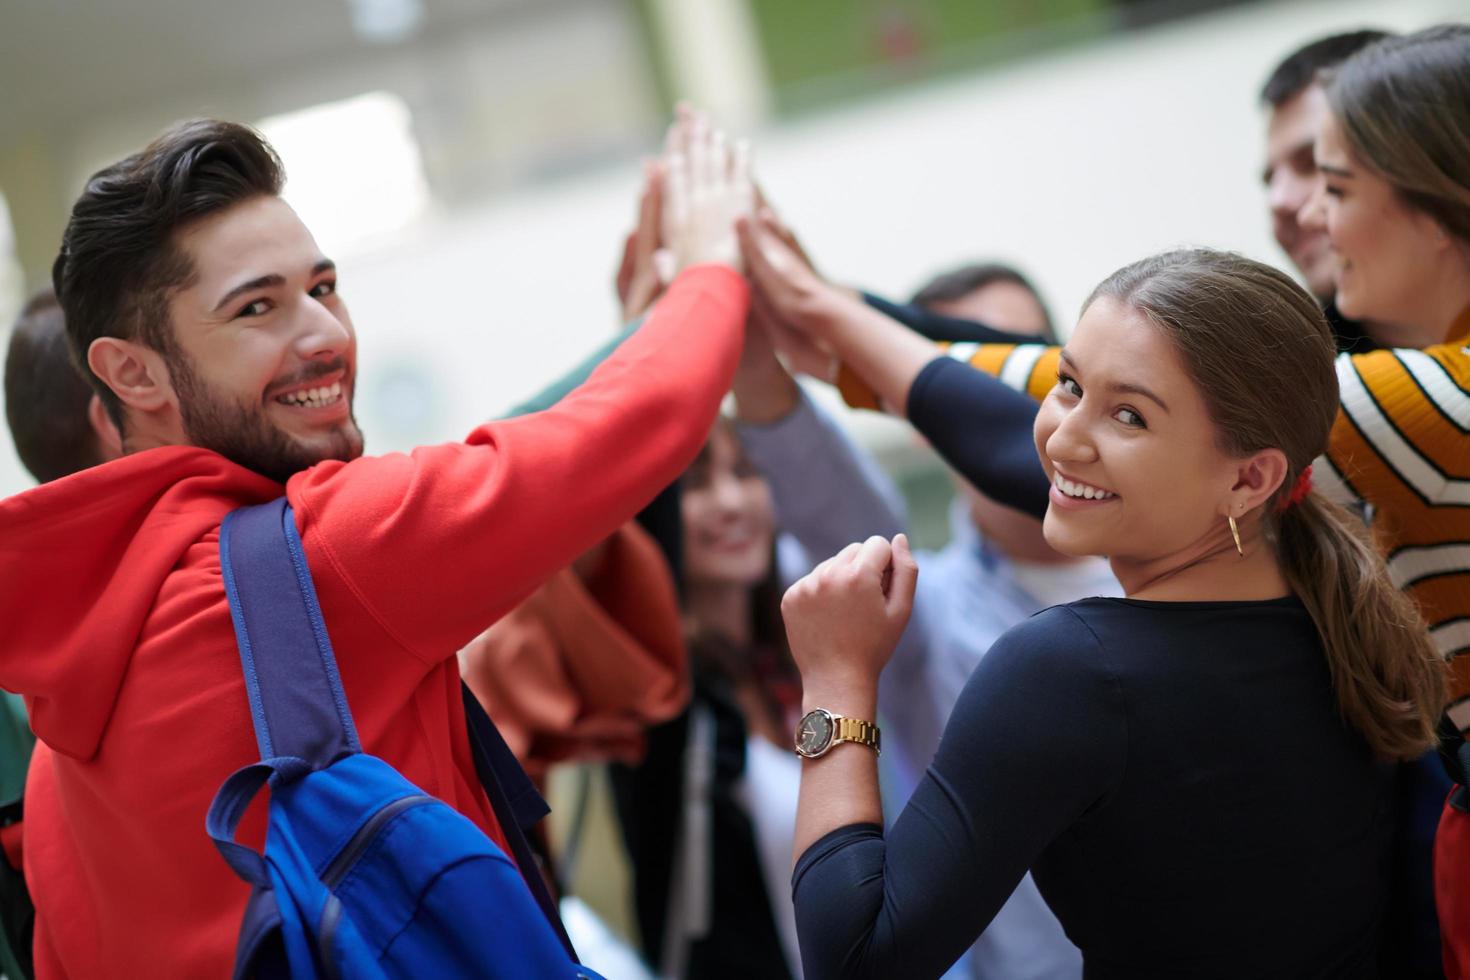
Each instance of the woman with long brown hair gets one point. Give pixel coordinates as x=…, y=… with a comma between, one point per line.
x=708, y=814
x=1198, y=774
x=1394, y=200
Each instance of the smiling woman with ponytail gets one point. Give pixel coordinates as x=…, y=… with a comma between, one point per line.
x=1200, y=776
x=1260, y=351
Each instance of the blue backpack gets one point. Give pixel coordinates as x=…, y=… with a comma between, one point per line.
x=364, y=874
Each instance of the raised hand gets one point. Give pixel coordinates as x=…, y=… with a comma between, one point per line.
x=707, y=187
x=845, y=617
x=787, y=285
x=638, y=281
x=820, y=317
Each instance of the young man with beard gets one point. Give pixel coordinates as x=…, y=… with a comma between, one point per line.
x=211, y=326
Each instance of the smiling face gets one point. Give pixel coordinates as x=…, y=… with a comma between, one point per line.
x=729, y=517
x=266, y=356
x=1291, y=178
x=1129, y=446
x=1389, y=255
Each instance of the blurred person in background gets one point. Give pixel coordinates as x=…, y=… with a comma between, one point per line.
x=1296, y=107
x=57, y=422
x=211, y=326
x=59, y=427
x=708, y=813
x=1394, y=202
x=997, y=571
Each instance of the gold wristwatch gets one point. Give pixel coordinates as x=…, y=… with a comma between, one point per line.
x=820, y=729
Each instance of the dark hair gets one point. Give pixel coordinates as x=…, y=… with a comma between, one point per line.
x=1404, y=107
x=767, y=664
x=956, y=284
x=1299, y=69
x=1259, y=349
x=119, y=258
x=45, y=398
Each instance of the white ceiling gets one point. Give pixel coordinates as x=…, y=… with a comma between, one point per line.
x=63, y=62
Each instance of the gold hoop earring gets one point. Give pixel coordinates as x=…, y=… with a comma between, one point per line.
x=1235, y=533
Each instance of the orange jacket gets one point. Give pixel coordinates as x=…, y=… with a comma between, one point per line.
x=579, y=670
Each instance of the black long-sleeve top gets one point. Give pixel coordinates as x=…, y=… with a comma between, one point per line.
x=1349, y=334
x=1176, y=776
x=982, y=428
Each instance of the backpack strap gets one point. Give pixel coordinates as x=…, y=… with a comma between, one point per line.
x=514, y=799
x=296, y=698
x=299, y=709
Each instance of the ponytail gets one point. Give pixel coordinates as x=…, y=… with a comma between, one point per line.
x=1387, y=674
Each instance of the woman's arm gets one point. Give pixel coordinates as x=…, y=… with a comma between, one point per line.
x=977, y=424
x=885, y=353
x=944, y=329
x=1007, y=780
x=843, y=620
x=983, y=429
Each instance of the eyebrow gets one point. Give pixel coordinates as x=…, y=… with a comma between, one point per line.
x=1305, y=146
x=272, y=280
x=1124, y=386
x=1328, y=168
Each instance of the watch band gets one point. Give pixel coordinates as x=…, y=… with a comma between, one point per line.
x=860, y=731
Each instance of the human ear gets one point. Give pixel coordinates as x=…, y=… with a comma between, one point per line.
x=1257, y=477
x=135, y=373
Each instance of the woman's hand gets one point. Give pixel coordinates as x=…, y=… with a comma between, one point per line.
x=707, y=187
x=827, y=321
x=844, y=618
x=786, y=282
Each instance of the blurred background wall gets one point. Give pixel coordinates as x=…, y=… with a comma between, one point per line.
x=472, y=163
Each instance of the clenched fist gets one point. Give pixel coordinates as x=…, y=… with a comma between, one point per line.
x=844, y=619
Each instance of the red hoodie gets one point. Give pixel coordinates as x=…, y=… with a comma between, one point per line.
x=117, y=630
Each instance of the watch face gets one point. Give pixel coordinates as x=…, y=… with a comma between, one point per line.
x=814, y=734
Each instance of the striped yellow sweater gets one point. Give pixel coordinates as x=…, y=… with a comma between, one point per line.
x=1400, y=448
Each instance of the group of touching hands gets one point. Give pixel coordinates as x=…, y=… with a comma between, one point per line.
x=699, y=204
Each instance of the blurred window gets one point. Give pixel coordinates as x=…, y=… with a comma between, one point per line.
x=355, y=172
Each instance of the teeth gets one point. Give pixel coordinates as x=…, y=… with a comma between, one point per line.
x=1080, y=490
x=313, y=397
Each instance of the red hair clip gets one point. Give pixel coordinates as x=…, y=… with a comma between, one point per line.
x=1299, y=491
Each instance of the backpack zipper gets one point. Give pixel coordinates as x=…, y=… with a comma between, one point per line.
x=342, y=863
x=352, y=850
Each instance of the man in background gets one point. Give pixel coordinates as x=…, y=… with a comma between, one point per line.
x=1296, y=107
x=58, y=427
x=57, y=422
